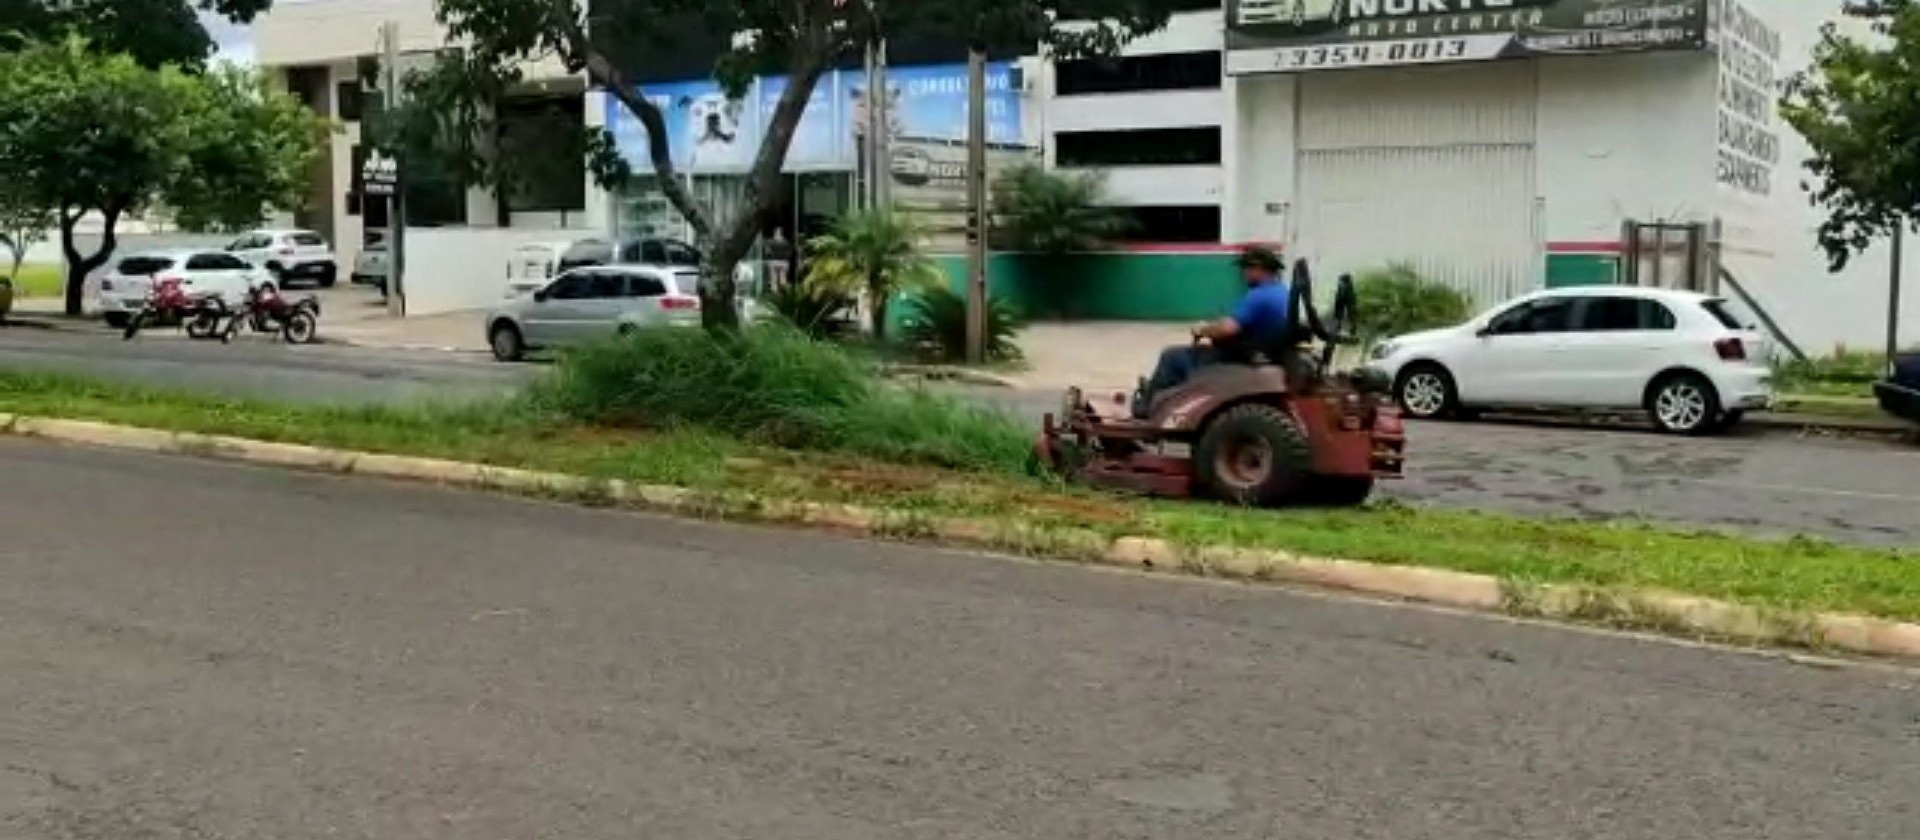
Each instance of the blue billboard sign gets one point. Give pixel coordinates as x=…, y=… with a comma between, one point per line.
x=707, y=133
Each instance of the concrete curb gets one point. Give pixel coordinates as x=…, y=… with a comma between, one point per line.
x=1671, y=613
x=937, y=373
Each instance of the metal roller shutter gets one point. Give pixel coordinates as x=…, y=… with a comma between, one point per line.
x=1432, y=166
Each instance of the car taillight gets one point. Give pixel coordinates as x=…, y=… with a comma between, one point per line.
x=1731, y=349
x=679, y=302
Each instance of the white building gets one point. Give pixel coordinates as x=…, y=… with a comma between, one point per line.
x=1500, y=145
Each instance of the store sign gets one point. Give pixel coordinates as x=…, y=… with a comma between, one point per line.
x=928, y=177
x=1292, y=36
x=379, y=175
x=708, y=133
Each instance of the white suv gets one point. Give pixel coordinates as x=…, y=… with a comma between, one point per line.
x=1681, y=357
x=290, y=255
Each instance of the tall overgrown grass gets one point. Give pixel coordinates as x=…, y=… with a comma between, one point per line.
x=774, y=385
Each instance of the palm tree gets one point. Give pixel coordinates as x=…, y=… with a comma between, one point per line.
x=873, y=251
x=1054, y=213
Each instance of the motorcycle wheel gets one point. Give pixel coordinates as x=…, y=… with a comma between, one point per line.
x=204, y=325
x=300, y=328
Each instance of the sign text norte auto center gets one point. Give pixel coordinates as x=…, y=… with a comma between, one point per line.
x=1290, y=36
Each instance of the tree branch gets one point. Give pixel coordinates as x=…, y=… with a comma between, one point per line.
x=578, y=50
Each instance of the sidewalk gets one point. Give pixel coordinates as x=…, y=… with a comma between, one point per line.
x=1094, y=355
x=453, y=332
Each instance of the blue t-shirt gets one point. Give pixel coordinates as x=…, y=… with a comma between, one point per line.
x=1264, y=314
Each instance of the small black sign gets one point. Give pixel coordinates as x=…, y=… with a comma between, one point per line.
x=379, y=175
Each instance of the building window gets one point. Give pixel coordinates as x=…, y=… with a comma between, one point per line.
x=348, y=95
x=1136, y=73
x=1190, y=223
x=1139, y=147
x=541, y=138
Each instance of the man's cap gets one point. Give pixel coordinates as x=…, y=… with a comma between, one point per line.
x=1259, y=256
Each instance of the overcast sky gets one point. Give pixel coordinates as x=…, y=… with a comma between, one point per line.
x=236, y=44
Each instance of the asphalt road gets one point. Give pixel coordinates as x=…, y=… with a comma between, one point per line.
x=342, y=658
x=1771, y=484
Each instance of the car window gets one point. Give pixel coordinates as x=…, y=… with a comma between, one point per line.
x=1720, y=312
x=1550, y=315
x=645, y=286
x=591, y=252
x=569, y=286
x=679, y=253
x=1623, y=314
x=205, y=262
x=308, y=240
x=142, y=266
x=606, y=285
x=651, y=253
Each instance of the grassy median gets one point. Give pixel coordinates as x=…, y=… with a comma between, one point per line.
x=876, y=446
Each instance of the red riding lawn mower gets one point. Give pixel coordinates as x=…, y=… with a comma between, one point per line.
x=1282, y=429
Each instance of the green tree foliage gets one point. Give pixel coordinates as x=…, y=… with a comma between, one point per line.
x=936, y=327
x=82, y=132
x=798, y=38
x=154, y=33
x=1053, y=213
x=874, y=252
x=1858, y=106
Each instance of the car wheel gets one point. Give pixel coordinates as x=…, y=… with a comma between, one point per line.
x=329, y=277
x=1684, y=404
x=1425, y=391
x=507, y=344
x=1253, y=455
x=118, y=320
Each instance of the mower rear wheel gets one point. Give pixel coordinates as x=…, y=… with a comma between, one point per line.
x=1254, y=455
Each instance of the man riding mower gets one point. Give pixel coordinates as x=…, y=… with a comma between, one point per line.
x=1261, y=417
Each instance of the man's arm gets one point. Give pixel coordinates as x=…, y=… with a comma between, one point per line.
x=1228, y=327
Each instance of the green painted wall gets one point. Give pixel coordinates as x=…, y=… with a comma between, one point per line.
x=1564, y=270
x=1109, y=287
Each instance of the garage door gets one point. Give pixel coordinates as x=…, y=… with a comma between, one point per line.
x=1430, y=166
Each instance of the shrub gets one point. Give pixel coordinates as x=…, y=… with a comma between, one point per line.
x=774, y=385
x=1048, y=212
x=819, y=312
x=875, y=252
x=935, y=327
x=1396, y=300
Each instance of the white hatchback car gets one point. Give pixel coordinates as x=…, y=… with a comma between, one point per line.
x=1681, y=357
x=290, y=255
x=594, y=302
x=123, y=290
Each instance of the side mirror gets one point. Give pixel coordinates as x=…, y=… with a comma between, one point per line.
x=1483, y=332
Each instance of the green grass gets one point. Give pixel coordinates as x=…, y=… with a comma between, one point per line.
x=38, y=280
x=1796, y=574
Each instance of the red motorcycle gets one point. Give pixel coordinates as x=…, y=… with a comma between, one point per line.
x=170, y=303
x=267, y=311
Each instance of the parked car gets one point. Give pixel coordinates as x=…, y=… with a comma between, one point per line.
x=290, y=255
x=123, y=290
x=640, y=251
x=534, y=265
x=371, y=265
x=593, y=302
x=1680, y=357
x=1900, y=393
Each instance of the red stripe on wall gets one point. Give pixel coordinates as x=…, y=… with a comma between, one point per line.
x=1190, y=247
x=1583, y=247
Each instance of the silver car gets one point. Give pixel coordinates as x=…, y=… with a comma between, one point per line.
x=594, y=302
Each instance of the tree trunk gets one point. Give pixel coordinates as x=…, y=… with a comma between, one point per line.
x=78, y=267
x=878, y=301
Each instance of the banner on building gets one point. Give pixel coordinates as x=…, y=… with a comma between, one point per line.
x=928, y=177
x=1292, y=36
x=709, y=134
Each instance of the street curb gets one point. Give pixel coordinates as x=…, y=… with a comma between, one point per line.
x=938, y=373
x=1674, y=614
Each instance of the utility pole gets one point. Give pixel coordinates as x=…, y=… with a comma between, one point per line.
x=976, y=203
x=1893, y=294
x=397, y=202
x=883, y=133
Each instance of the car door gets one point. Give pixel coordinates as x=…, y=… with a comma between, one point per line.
x=1514, y=359
x=208, y=274
x=236, y=276
x=250, y=247
x=1617, y=345
x=606, y=301
x=549, y=314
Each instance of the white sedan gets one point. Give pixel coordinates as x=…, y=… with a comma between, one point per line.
x=1681, y=357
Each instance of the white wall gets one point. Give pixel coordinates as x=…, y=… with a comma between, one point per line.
x=1771, y=243
x=459, y=269
x=1624, y=137
x=1260, y=157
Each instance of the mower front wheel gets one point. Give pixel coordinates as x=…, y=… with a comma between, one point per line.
x=1254, y=455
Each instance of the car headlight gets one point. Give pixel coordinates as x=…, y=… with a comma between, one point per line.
x=1382, y=351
